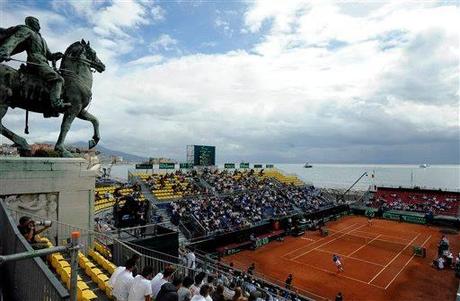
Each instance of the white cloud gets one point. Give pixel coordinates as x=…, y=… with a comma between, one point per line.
x=158, y=13
x=164, y=42
x=151, y=59
x=321, y=79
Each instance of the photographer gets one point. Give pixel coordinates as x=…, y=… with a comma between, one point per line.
x=28, y=228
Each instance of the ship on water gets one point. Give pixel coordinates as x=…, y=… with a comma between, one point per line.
x=307, y=165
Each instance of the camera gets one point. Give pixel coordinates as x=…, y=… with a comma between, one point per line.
x=43, y=223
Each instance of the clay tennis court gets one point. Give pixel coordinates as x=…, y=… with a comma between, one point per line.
x=378, y=262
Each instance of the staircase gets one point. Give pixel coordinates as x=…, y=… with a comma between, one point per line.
x=162, y=212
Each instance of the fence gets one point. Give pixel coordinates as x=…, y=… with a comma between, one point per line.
x=28, y=279
x=121, y=251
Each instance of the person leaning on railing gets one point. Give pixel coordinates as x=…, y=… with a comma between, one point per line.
x=28, y=228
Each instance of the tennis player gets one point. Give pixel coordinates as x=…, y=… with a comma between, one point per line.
x=338, y=263
x=369, y=221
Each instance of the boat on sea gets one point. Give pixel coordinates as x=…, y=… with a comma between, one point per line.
x=308, y=165
x=424, y=165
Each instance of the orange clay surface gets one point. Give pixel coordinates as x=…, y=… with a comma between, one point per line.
x=373, y=270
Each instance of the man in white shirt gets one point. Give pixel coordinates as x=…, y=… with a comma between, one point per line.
x=141, y=289
x=159, y=280
x=203, y=295
x=191, y=264
x=123, y=283
x=132, y=261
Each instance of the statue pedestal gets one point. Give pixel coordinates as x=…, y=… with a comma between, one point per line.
x=57, y=188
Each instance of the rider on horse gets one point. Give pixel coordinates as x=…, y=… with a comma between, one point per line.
x=27, y=38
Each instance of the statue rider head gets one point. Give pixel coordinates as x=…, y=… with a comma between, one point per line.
x=33, y=23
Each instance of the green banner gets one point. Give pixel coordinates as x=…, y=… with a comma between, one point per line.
x=258, y=166
x=144, y=166
x=167, y=165
x=269, y=165
x=229, y=165
x=414, y=219
x=244, y=165
x=185, y=165
x=392, y=216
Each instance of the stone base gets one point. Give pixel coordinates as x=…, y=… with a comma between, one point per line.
x=58, y=188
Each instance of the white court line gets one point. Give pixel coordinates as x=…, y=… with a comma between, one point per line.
x=406, y=264
x=364, y=245
x=309, y=239
x=336, y=274
x=328, y=242
x=353, y=258
x=302, y=247
x=389, y=236
x=394, y=258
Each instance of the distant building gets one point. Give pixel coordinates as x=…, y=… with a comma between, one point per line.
x=7, y=150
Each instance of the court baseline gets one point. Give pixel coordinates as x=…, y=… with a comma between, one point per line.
x=394, y=258
x=426, y=240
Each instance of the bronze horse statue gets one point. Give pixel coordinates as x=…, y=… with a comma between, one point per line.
x=20, y=88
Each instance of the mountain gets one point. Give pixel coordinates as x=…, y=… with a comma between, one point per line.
x=106, y=152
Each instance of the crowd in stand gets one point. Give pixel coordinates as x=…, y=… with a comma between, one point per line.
x=170, y=285
x=248, y=207
x=424, y=202
x=224, y=181
x=179, y=181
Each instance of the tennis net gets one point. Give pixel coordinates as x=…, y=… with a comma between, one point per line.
x=378, y=241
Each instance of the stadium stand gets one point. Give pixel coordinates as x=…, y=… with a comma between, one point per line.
x=417, y=200
x=170, y=186
x=281, y=177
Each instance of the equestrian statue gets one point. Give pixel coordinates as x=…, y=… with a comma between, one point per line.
x=40, y=88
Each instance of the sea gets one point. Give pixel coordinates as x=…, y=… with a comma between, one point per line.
x=342, y=176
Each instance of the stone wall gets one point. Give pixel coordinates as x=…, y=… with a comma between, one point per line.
x=58, y=188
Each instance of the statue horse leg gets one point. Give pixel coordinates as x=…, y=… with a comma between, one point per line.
x=84, y=115
x=23, y=148
x=69, y=117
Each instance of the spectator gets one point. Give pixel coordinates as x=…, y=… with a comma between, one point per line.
x=141, y=290
x=218, y=294
x=160, y=279
x=123, y=282
x=191, y=264
x=339, y=297
x=251, y=269
x=288, y=283
x=238, y=295
x=130, y=262
x=195, y=288
x=203, y=294
x=184, y=291
x=168, y=291
x=28, y=228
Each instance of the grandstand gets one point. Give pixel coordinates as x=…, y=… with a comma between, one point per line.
x=170, y=186
x=105, y=197
x=281, y=177
x=222, y=214
x=417, y=200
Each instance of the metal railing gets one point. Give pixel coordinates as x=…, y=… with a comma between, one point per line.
x=121, y=251
x=28, y=279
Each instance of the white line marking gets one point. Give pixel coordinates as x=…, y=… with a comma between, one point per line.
x=364, y=245
x=336, y=274
x=406, y=264
x=302, y=247
x=353, y=258
x=394, y=258
x=306, y=238
x=328, y=242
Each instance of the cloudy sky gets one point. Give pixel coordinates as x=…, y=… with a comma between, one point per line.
x=266, y=81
